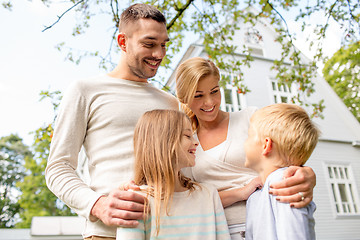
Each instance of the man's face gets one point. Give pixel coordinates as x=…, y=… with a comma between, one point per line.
x=145, y=48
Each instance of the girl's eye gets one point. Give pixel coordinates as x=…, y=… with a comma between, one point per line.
x=197, y=96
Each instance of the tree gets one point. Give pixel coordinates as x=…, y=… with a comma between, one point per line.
x=13, y=154
x=215, y=21
x=342, y=71
x=36, y=198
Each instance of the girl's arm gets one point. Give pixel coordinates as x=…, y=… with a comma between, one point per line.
x=296, y=179
x=230, y=197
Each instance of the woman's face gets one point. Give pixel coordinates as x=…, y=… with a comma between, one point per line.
x=207, y=99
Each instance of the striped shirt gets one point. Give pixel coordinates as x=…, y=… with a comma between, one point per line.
x=193, y=215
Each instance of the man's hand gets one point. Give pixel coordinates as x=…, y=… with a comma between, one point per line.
x=296, y=179
x=121, y=207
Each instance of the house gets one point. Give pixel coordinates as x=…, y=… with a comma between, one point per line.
x=336, y=159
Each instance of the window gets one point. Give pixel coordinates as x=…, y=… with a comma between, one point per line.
x=231, y=100
x=254, y=41
x=344, y=192
x=282, y=93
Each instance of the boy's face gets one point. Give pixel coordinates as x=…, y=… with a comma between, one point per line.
x=253, y=149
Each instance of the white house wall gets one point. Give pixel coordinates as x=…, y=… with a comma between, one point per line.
x=327, y=225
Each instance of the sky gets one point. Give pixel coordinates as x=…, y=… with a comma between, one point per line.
x=30, y=63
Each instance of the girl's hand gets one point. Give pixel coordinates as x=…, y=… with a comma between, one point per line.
x=296, y=179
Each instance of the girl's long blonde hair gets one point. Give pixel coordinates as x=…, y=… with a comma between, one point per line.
x=157, y=139
x=188, y=75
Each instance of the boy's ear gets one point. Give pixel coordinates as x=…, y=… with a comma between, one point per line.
x=121, y=40
x=267, y=146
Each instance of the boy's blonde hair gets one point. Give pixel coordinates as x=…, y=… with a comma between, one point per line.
x=157, y=139
x=290, y=129
x=188, y=75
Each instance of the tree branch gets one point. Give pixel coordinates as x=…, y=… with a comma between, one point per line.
x=59, y=17
x=287, y=31
x=179, y=13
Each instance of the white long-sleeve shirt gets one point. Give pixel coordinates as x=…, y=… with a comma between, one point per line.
x=270, y=219
x=193, y=215
x=100, y=114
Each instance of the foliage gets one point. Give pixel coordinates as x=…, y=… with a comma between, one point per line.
x=36, y=198
x=342, y=71
x=13, y=153
x=216, y=21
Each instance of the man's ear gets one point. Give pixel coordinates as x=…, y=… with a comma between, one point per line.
x=267, y=146
x=121, y=40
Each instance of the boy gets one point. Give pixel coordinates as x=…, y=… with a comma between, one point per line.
x=280, y=135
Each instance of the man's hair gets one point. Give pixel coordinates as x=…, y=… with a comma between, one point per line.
x=292, y=132
x=188, y=76
x=138, y=11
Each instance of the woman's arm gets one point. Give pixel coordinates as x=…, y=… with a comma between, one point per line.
x=230, y=197
x=296, y=179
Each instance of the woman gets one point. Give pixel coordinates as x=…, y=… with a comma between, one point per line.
x=220, y=155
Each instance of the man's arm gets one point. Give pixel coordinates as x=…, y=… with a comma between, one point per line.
x=121, y=207
x=296, y=179
x=60, y=173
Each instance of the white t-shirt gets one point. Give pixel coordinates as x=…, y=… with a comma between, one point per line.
x=270, y=219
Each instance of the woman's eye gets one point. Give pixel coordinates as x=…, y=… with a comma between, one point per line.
x=187, y=136
x=198, y=96
x=215, y=91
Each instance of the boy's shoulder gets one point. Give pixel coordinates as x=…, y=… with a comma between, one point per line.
x=275, y=176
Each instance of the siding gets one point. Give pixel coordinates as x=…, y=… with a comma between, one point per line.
x=328, y=226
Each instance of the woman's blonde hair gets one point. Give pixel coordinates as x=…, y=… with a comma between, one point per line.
x=188, y=75
x=157, y=140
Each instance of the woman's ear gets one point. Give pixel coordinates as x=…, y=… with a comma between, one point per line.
x=121, y=40
x=267, y=146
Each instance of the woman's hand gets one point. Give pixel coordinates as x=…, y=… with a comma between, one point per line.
x=230, y=197
x=296, y=179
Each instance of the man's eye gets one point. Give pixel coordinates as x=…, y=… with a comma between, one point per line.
x=149, y=45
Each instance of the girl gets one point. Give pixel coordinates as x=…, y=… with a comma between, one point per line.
x=178, y=208
x=220, y=156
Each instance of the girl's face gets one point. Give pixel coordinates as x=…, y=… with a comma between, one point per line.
x=207, y=99
x=187, y=147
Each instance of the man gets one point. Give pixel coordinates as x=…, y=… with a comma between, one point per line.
x=101, y=114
